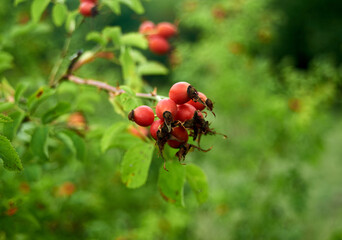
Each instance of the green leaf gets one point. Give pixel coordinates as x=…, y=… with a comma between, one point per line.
x=39, y=146
x=125, y=102
x=171, y=182
x=152, y=68
x=5, y=119
x=70, y=24
x=198, y=182
x=112, y=33
x=117, y=136
x=67, y=141
x=19, y=91
x=135, y=5
x=114, y=5
x=78, y=143
x=135, y=165
x=38, y=97
x=138, y=56
x=59, y=13
x=96, y=37
x=135, y=40
x=11, y=129
x=37, y=9
x=129, y=70
x=16, y=2
x=60, y=109
x=6, y=106
x=9, y=156
x=6, y=61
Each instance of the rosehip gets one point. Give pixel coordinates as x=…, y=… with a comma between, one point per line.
x=87, y=9
x=198, y=105
x=179, y=92
x=158, y=45
x=185, y=112
x=142, y=115
x=146, y=27
x=154, y=128
x=181, y=136
x=166, y=105
x=166, y=30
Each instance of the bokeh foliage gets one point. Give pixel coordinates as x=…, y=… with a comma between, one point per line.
x=275, y=177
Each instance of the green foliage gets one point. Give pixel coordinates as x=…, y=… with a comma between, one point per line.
x=37, y=8
x=135, y=165
x=84, y=174
x=171, y=183
x=39, y=142
x=9, y=156
x=59, y=13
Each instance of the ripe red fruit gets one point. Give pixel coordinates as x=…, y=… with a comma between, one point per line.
x=166, y=30
x=158, y=45
x=154, y=128
x=198, y=105
x=185, y=112
x=87, y=9
x=166, y=105
x=181, y=136
x=143, y=116
x=146, y=27
x=179, y=92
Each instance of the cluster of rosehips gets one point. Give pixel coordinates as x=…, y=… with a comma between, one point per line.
x=88, y=8
x=179, y=117
x=158, y=35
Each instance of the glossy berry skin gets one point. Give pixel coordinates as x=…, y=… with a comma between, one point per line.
x=143, y=116
x=86, y=8
x=198, y=105
x=158, y=45
x=179, y=92
x=185, y=112
x=181, y=135
x=166, y=30
x=166, y=105
x=146, y=27
x=154, y=128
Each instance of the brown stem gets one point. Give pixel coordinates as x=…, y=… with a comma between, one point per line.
x=107, y=87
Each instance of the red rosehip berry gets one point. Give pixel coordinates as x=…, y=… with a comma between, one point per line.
x=166, y=105
x=87, y=9
x=146, y=27
x=154, y=128
x=158, y=45
x=142, y=115
x=185, y=112
x=198, y=105
x=178, y=138
x=179, y=92
x=166, y=30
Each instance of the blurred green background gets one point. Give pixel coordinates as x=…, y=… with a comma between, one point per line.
x=273, y=71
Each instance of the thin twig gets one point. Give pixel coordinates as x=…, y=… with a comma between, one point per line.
x=109, y=88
